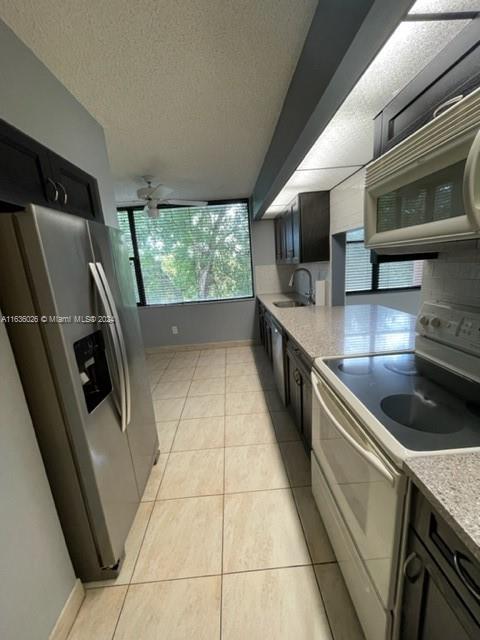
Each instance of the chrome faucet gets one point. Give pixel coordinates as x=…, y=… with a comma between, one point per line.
x=310, y=296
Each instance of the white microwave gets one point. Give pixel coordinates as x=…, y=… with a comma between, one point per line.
x=426, y=190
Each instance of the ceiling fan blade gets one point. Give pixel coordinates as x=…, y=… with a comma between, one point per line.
x=186, y=203
x=130, y=203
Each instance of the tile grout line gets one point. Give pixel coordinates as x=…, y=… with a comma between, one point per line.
x=223, y=508
x=171, y=446
x=148, y=523
x=215, y=575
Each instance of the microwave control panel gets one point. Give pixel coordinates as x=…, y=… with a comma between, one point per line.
x=456, y=326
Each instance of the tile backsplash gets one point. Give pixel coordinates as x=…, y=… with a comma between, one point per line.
x=272, y=278
x=455, y=276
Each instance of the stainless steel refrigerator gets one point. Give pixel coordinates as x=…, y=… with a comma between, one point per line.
x=79, y=351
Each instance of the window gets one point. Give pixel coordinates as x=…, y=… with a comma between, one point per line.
x=362, y=276
x=189, y=254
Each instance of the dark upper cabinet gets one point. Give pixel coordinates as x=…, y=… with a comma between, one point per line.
x=454, y=72
x=77, y=190
x=25, y=172
x=302, y=233
x=31, y=173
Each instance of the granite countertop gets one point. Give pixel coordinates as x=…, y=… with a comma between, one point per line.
x=451, y=483
x=336, y=331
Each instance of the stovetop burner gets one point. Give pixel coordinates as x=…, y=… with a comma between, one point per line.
x=356, y=366
x=425, y=406
x=418, y=412
x=404, y=364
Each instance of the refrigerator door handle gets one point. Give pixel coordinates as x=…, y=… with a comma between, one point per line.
x=115, y=342
x=123, y=349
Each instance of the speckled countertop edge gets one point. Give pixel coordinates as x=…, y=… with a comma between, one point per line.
x=451, y=482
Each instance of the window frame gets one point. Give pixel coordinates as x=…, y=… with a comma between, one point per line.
x=138, y=267
x=376, y=273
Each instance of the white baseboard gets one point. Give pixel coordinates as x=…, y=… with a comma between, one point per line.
x=69, y=612
x=202, y=346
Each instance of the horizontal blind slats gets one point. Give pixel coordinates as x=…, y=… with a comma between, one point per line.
x=193, y=254
x=391, y=275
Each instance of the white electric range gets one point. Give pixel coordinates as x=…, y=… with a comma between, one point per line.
x=370, y=413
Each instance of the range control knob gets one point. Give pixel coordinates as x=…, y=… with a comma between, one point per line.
x=436, y=323
x=424, y=321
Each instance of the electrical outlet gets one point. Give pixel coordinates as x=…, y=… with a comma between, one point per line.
x=175, y=330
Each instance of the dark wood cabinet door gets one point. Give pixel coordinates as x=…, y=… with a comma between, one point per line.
x=306, y=410
x=431, y=608
x=315, y=226
x=261, y=326
x=278, y=239
x=288, y=221
x=25, y=172
x=78, y=191
x=295, y=212
x=294, y=390
x=455, y=72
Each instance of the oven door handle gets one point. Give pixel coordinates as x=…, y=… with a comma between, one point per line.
x=471, y=178
x=368, y=456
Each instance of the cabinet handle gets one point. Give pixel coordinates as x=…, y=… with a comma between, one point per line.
x=468, y=583
x=297, y=378
x=65, y=196
x=446, y=104
x=54, y=185
x=411, y=577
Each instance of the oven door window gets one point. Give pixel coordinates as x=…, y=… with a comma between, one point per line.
x=437, y=196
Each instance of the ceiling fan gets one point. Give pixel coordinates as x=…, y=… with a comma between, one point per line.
x=153, y=195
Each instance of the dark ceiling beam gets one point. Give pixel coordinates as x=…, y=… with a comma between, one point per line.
x=344, y=37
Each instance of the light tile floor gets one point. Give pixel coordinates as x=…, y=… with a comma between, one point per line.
x=227, y=542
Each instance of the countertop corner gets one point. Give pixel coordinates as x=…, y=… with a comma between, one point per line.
x=451, y=483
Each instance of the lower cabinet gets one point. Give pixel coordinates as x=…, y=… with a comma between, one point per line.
x=441, y=581
x=296, y=375
x=299, y=392
x=265, y=330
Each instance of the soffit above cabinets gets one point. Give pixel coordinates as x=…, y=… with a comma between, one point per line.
x=302, y=180
x=346, y=144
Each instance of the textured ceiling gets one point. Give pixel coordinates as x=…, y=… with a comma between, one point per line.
x=187, y=90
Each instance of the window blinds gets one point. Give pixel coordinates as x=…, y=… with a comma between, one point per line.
x=361, y=275
x=193, y=254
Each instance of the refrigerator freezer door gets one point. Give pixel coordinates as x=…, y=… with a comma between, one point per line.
x=58, y=251
x=141, y=430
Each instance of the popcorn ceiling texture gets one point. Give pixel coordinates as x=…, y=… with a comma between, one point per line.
x=187, y=90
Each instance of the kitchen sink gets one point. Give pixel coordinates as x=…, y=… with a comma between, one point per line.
x=289, y=303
